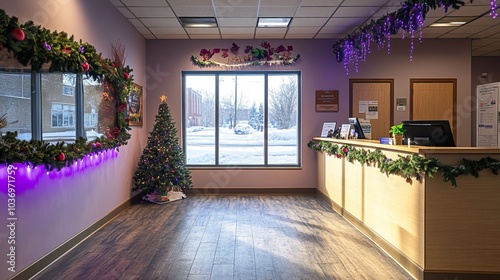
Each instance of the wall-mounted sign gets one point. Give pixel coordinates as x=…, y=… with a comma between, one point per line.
x=327, y=101
x=401, y=104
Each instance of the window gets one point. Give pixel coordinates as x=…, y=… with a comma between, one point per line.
x=63, y=115
x=15, y=101
x=39, y=110
x=241, y=118
x=69, y=84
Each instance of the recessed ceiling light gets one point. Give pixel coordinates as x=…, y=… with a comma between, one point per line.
x=448, y=24
x=273, y=22
x=198, y=22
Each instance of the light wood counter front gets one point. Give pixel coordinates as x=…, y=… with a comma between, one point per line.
x=432, y=229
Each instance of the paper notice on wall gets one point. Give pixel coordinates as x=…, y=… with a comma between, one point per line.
x=372, y=110
x=362, y=106
x=488, y=130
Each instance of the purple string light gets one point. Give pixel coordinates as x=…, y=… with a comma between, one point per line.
x=493, y=4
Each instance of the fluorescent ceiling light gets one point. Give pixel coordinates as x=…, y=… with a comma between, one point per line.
x=273, y=22
x=448, y=24
x=198, y=21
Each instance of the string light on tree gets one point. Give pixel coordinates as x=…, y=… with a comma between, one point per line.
x=162, y=167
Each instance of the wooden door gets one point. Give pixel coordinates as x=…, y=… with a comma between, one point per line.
x=367, y=95
x=434, y=99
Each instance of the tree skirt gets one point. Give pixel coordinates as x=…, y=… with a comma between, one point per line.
x=163, y=199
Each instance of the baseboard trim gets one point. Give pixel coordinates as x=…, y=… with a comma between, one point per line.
x=250, y=191
x=55, y=254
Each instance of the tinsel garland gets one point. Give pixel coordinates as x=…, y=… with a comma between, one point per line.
x=41, y=48
x=410, y=166
x=409, y=18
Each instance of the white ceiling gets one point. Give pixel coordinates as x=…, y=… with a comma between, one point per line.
x=311, y=19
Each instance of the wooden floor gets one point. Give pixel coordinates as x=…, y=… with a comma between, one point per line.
x=227, y=237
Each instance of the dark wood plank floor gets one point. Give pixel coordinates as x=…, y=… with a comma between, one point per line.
x=227, y=237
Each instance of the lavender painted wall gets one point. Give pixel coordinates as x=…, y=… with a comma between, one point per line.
x=431, y=59
x=53, y=208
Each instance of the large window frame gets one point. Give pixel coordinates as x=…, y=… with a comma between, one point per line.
x=187, y=121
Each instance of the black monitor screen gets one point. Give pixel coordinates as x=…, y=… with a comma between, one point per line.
x=429, y=133
x=357, y=127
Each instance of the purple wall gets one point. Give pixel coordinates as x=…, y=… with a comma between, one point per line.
x=431, y=59
x=53, y=208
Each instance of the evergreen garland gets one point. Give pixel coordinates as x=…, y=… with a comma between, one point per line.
x=41, y=48
x=410, y=166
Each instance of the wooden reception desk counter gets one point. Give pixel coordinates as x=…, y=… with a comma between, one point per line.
x=433, y=230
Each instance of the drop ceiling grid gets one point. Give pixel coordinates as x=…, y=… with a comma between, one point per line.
x=334, y=19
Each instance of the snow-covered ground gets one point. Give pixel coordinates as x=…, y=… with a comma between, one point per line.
x=240, y=149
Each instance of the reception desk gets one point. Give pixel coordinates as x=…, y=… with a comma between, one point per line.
x=433, y=230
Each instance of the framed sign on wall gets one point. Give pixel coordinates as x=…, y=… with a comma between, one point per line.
x=327, y=101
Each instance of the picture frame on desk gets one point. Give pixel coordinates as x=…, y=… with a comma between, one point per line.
x=328, y=129
x=345, y=131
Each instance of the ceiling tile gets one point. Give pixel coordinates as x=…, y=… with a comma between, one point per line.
x=355, y=12
x=246, y=31
x=276, y=11
x=126, y=12
x=235, y=3
x=136, y=22
x=205, y=36
x=237, y=22
x=330, y=36
x=279, y=3
x=190, y=3
x=146, y=3
x=236, y=12
x=470, y=11
x=116, y=3
x=173, y=36
x=315, y=11
x=299, y=36
x=334, y=29
x=161, y=22
x=152, y=11
x=347, y=21
x=144, y=30
x=455, y=35
x=302, y=30
x=182, y=11
x=205, y=31
x=269, y=32
x=308, y=22
x=320, y=3
x=165, y=31
x=364, y=3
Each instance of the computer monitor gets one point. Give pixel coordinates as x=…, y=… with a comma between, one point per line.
x=357, y=127
x=429, y=133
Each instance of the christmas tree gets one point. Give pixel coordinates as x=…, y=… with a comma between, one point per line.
x=162, y=167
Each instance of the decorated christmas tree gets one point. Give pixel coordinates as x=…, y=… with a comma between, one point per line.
x=162, y=170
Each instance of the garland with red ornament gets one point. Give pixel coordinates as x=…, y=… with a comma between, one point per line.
x=39, y=48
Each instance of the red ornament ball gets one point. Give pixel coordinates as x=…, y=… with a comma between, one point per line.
x=126, y=75
x=85, y=66
x=61, y=156
x=17, y=34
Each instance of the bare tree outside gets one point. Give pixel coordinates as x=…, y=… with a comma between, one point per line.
x=283, y=103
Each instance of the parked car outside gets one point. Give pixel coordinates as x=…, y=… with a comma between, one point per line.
x=242, y=128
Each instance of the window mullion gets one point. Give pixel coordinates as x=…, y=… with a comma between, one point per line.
x=36, y=106
x=79, y=108
x=217, y=119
